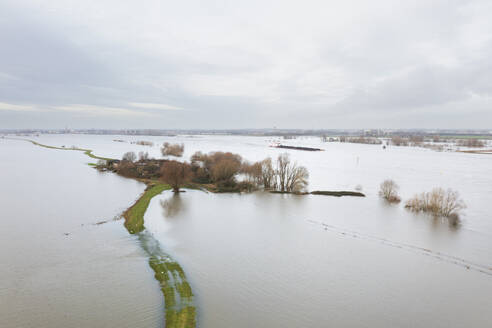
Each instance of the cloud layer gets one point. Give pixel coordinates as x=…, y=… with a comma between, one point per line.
x=221, y=64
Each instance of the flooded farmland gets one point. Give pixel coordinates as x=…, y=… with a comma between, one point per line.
x=253, y=260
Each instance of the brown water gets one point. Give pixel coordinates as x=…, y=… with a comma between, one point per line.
x=256, y=260
x=58, y=269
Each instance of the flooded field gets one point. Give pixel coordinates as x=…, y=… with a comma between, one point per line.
x=253, y=260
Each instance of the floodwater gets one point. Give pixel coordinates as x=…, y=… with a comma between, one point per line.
x=253, y=260
x=58, y=268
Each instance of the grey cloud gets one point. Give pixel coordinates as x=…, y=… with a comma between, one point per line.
x=323, y=65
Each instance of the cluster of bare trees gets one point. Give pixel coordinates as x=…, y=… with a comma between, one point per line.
x=474, y=143
x=216, y=167
x=220, y=169
x=175, y=150
x=282, y=175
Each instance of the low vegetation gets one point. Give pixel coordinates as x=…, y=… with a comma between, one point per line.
x=389, y=191
x=175, y=150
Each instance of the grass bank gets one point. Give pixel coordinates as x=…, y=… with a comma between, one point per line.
x=134, y=216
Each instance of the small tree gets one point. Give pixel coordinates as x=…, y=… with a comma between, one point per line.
x=389, y=191
x=129, y=157
x=175, y=174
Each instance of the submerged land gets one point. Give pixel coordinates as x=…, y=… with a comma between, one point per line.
x=177, y=292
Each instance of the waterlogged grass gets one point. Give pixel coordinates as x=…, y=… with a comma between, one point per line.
x=183, y=318
x=134, y=216
x=178, y=297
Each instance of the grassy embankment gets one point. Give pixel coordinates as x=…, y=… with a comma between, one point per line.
x=178, y=296
x=87, y=152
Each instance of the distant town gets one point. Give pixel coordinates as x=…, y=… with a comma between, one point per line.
x=485, y=134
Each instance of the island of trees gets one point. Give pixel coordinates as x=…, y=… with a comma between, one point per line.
x=215, y=171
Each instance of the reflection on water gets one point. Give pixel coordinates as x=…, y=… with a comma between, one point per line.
x=172, y=205
x=311, y=261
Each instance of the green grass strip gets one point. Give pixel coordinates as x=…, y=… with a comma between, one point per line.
x=134, y=216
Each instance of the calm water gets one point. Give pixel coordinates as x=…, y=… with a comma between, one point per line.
x=256, y=260
x=57, y=268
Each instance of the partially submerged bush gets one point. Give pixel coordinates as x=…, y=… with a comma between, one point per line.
x=438, y=202
x=389, y=191
x=172, y=149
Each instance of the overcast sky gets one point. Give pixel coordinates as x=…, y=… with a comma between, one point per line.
x=248, y=64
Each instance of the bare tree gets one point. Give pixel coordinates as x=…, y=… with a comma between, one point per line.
x=268, y=174
x=175, y=174
x=172, y=149
x=289, y=176
x=253, y=172
x=143, y=156
x=129, y=157
x=389, y=191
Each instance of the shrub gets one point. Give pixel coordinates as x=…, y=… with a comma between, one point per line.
x=175, y=150
x=389, y=191
x=438, y=202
